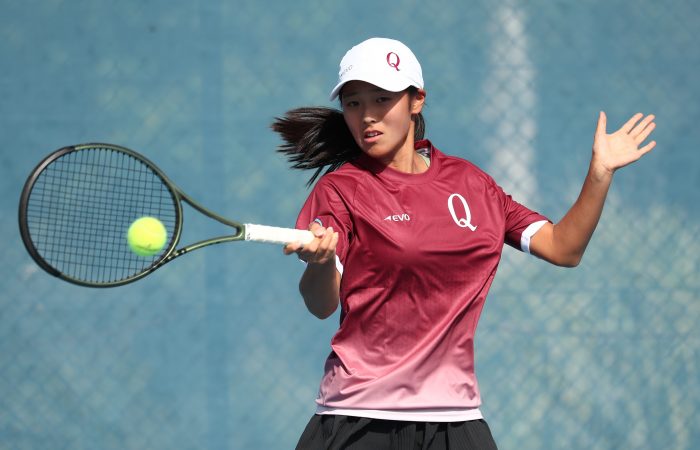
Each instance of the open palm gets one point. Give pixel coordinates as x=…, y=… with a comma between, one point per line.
x=622, y=147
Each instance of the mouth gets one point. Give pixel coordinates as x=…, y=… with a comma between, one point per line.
x=371, y=136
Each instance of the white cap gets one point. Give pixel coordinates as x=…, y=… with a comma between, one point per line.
x=386, y=63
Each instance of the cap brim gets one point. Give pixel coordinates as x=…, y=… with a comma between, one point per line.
x=396, y=86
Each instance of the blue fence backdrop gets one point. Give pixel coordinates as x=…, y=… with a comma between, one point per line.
x=216, y=350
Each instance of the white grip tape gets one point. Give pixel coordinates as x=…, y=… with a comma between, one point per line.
x=276, y=235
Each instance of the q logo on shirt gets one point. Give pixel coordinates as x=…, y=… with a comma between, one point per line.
x=462, y=222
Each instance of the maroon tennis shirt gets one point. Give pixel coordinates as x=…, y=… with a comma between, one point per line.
x=417, y=254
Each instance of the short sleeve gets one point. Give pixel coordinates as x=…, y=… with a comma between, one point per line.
x=521, y=223
x=329, y=207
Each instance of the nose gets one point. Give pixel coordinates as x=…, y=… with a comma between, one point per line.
x=368, y=115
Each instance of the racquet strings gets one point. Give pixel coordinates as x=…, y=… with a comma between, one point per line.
x=81, y=206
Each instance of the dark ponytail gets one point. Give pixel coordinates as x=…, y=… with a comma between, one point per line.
x=317, y=137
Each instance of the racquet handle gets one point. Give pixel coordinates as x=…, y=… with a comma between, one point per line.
x=276, y=235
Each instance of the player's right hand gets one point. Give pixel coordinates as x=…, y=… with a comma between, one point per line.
x=319, y=251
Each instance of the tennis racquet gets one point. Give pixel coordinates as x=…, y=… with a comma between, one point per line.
x=77, y=205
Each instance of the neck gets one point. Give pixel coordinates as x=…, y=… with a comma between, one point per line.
x=405, y=159
x=409, y=163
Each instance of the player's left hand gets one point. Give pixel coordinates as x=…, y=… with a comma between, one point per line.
x=616, y=150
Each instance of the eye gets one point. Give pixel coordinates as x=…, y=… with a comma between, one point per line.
x=350, y=104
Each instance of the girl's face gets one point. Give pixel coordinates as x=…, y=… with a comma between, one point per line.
x=379, y=120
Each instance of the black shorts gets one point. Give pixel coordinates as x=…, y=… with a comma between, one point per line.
x=331, y=432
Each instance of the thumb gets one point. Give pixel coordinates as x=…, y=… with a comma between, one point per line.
x=317, y=229
x=602, y=125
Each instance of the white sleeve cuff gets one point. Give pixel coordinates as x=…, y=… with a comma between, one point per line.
x=338, y=265
x=530, y=231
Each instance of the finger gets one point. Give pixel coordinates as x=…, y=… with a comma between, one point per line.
x=324, y=247
x=325, y=243
x=647, y=148
x=331, y=246
x=334, y=242
x=292, y=247
x=317, y=229
x=630, y=123
x=641, y=126
x=602, y=124
x=641, y=137
x=307, y=250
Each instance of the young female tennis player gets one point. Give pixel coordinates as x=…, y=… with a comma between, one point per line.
x=408, y=242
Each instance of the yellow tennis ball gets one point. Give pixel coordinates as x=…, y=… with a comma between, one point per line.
x=146, y=236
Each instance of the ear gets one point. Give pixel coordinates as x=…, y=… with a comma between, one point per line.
x=417, y=101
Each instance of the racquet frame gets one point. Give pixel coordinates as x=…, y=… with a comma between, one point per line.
x=242, y=231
